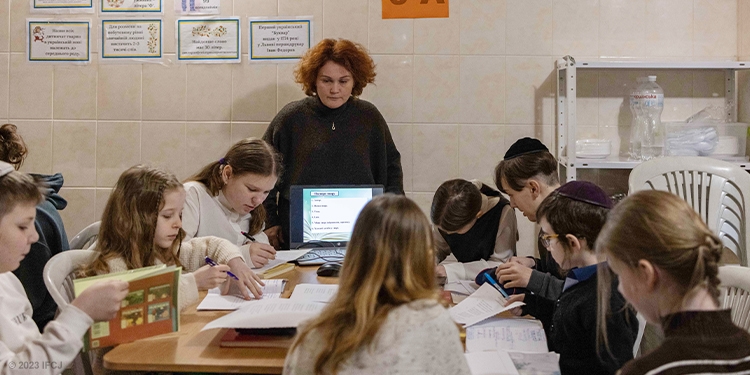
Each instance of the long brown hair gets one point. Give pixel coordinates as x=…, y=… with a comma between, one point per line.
x=250, y=155
x=129, y=221
x=12, y=147
x=663, y=229
x=389, y=263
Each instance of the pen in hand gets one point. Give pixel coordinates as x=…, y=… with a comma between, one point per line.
x=495, y=285
x=248, y=236
x=211, y=263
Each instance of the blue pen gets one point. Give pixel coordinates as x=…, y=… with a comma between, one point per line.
x=211, y=263
x=495, y=285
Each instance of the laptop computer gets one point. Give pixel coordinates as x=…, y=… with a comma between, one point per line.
x=322, y=217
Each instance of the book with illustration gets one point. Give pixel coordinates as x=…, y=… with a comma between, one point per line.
x=149, y=309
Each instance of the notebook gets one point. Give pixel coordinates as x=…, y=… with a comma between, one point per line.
x=322, y=218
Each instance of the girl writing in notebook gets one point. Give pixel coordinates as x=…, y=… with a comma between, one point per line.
x=386, y=317
x=142, y=226
x=666, y=260
x=24, y=349
x=476, y=229
x=571, y=218
x=225, y=198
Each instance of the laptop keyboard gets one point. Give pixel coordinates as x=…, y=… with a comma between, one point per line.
x=320, y=256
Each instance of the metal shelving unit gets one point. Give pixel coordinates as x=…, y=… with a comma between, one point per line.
x=565, y=114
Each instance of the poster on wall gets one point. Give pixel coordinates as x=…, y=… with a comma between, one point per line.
x=131, y=39
x=62, y=6
x=58, y=41
x=189, y=7
x=415, y=9
x=277, y=39
x=208, y=40
x=131, y=7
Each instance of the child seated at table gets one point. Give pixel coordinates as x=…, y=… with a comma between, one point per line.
x=24, y=349
x=666, y=259
x=571, y=218
x=386, y=316
x=476, y=229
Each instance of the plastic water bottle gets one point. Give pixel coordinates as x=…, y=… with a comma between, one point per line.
x=637, y=126
x=652, y=105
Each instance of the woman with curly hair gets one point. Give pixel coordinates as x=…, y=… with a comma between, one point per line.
x=331, y=137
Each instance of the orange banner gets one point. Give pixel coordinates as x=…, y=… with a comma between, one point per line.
x=415, y=9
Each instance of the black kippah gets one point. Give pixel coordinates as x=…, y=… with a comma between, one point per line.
x=525, y=146
x=586, y=192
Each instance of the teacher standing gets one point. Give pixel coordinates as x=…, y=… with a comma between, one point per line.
x=331, y=137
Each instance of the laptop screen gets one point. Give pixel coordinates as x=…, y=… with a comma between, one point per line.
x=326, y=213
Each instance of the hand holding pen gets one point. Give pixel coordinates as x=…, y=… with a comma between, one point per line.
x=247, y=281
x=260, y=253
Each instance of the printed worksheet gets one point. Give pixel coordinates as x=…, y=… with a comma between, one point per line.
x=513, y=334
x=314, y=292
x=482, y=304
x=214, y=300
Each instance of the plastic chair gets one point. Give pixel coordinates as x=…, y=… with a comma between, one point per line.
x=714, y=188
x=58, y=278
x=86, y=237
x=735, y=293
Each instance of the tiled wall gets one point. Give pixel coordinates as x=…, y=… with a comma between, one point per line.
x=456, y=92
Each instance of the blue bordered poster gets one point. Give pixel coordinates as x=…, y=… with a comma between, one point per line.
x=208, y=40
x=279, y=39
x=130, y=6
x=62, y=6
x=131, y=39
x=58, y=41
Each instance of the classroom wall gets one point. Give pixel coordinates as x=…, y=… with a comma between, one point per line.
x=456, y=92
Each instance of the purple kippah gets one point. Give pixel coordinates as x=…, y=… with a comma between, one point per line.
x=525, y=146
x=587, y=192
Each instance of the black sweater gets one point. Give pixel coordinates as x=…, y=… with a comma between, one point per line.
x=359, y=151
x=571, y=328
x=697, y=342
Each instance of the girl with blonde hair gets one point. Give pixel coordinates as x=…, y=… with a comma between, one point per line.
x=386, y=317
x=666, y=259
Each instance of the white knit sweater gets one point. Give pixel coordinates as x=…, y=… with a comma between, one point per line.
x=416, y=338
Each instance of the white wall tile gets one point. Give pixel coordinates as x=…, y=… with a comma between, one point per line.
x=434, y=145
x=439, y=36
x=528, y=27
x=346, y=19
x=622, y=25
x=482, y=89
x=393, y=89
x=390, y=36
x=482, y=27
x=436, y=88
x=576, y=28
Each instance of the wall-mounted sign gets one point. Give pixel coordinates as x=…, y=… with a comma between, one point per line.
x=415, y=9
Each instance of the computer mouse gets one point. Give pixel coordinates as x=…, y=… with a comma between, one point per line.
x=329, y=269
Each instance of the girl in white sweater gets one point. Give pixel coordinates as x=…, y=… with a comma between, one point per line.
x=23, y=350
x=386, y=317
x=142, y=226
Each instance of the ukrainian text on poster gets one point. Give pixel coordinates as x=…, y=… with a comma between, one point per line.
x=208, y=40
x=58, y=41
x=130, y=6
x=131, y=39
x=62, y=6
x=197, y=6
x=279, y=39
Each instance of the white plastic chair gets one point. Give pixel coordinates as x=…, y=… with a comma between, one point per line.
x=714, y=188
x=58, y=278
x=85, y=237
x=735, y=293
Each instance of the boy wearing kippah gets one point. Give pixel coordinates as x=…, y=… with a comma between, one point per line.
x=571, y=218
x=528, y=174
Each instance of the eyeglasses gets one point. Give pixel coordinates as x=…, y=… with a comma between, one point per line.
x=544, y=238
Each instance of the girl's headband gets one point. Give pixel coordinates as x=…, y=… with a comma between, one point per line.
x=5, y=168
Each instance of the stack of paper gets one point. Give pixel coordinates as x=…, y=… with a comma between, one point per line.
x=214, y=300
x=524, y=335
x=269, y=313
x=314, y=292
x=500, y=362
